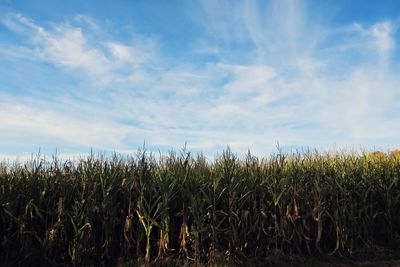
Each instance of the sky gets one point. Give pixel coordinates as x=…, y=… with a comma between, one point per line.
x=110, y=76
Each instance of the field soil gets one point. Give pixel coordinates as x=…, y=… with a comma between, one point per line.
x=299, y=262
x=386, y=259
x=333, y=263
x=377, y=258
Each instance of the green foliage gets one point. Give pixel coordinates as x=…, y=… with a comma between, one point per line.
x=147, y=210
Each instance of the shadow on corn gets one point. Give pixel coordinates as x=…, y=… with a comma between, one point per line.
x=188, y=210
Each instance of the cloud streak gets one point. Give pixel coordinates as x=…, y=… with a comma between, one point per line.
x=275, y=75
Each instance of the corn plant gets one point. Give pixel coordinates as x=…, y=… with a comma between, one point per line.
x=197, y=211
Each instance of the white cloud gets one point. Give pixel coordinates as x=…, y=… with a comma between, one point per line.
x=27, y=121
x=248, y=79
x=289, y=86
x=129, y=54
x=28, y=156
x=68, y=46
x=382, y=32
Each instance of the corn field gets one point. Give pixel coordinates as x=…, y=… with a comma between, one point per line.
x=148, y=210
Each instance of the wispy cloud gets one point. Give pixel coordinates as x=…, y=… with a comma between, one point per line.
x=69, y=46
x=276, y=75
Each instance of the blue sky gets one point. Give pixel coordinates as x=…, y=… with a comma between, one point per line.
x=76, y=75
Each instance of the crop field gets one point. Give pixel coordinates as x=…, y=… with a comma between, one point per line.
x=196, y=211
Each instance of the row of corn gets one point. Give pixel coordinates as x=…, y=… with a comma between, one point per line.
x=149, y=209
